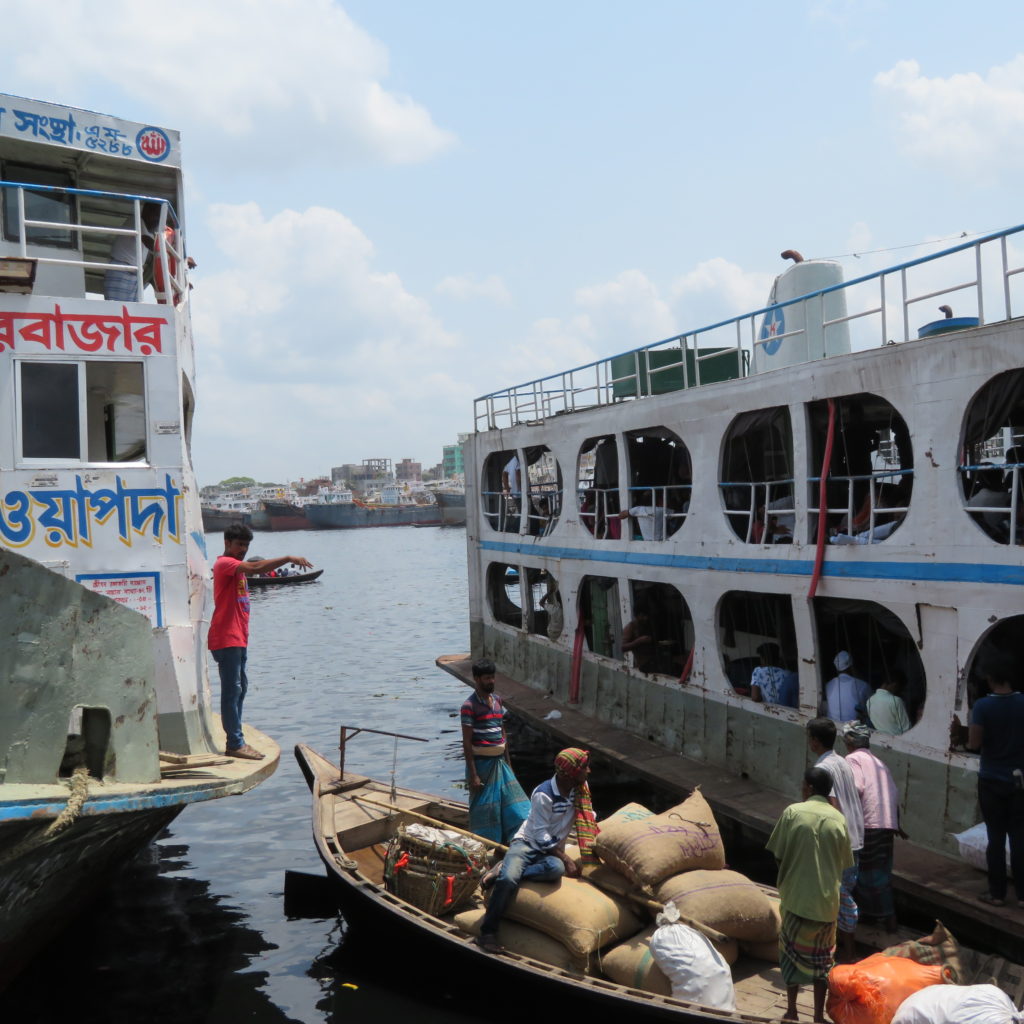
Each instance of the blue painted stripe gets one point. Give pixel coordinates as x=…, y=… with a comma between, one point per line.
x=932, y=572
x=148, y=800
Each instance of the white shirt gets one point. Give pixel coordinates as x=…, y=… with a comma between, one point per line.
x=550, y=819
x=512, y=469
x=651, y=519
x=843, y=694
x=844, y=789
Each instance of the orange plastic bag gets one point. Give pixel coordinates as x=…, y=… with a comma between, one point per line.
x=870, y=992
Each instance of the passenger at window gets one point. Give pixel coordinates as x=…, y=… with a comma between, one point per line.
x=122, y=285
x=650, y=519
x=552, y=601
x=886, y=709
x=778, y=529
x=771, y=682
x=990, y=492
x=846, y=696
x=638, y=637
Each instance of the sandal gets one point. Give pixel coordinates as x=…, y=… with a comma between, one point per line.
x=246, y=752
x=489, y=944
x=992, y=901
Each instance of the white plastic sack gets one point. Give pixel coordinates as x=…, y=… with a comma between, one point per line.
x=958, y=1004
x=440, y=836
x=693, y=966
x=973, y=843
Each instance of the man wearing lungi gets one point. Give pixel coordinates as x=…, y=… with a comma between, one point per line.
x=497, y=803
x=812, y=846
x=880, y=802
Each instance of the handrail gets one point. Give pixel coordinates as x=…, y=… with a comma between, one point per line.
x=597, y=383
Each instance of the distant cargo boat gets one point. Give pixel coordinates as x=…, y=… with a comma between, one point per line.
x=357, y=515
x=452, y=505
x=286, y=515
x=217, y=519
x=106, y=725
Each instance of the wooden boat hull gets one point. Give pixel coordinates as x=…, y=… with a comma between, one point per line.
x=285, y=581
x=435, y=949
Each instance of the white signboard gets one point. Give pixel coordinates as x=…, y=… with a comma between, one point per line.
x=139, y=591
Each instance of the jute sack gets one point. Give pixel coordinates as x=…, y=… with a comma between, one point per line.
x=766, y=950
x=579, y=915
x=726, y=901
x=632, y=963
x=524, y=941
x=649, y=850
x=624, y=815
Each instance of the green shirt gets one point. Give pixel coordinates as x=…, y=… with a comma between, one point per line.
x=812, y=846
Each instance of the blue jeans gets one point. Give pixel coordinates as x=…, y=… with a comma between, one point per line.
x=233, y=684
x=522, y=863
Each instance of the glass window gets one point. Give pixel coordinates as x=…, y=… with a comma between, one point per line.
x=55, y=207
x=108, y=426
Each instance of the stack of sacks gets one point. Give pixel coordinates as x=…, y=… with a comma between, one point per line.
x=517, y=938
x=678, y=857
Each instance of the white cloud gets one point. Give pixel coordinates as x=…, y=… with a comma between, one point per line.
x=716, y=289
x=244, y=78
x=470, y=286
x=967, y=123
x=311, y=355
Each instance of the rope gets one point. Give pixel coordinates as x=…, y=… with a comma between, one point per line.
x=79, y=786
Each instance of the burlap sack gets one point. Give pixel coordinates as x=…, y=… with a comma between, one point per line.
x=624, y=815
x=518, y=938
x=724, y=900
x=579, y=915
x=632, y=963
x=651, y=849
x=761, y=950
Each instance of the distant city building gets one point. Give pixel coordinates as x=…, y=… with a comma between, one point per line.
x=408, y=471
x=453, y=466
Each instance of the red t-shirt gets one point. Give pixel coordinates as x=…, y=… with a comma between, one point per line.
x=229, y=626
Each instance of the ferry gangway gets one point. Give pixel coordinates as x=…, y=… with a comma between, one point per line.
x=631, y=375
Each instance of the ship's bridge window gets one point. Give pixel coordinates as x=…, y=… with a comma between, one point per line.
x=55, y=208
x=757, y=641
x=660, y=481
x=543, y=501
x=992, y=464
x=757, y=477
x=501, y=492
x=505, y=593
x=871, y=471
x=597, y=487
x=870, y=667
x=602, y=621
x=659, y=637
x=82, y=411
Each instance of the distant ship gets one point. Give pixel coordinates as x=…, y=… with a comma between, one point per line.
x=452, y=503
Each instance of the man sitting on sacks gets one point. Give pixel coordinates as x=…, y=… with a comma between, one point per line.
x=812, y=846
x=537, y=852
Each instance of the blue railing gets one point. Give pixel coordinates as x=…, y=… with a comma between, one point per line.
x=686, y=360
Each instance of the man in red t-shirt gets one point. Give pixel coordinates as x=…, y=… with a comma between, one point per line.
x=229, y=629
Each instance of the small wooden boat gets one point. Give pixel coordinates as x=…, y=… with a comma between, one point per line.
x=280, y=581
x=354, y=817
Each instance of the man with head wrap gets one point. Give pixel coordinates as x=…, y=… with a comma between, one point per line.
x=558, y=807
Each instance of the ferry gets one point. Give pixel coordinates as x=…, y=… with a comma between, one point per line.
x=106, y=726
x=830, y=483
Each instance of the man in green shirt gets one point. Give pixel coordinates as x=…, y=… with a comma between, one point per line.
x=812, y=847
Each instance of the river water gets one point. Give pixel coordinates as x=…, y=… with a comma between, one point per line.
x=196, y=930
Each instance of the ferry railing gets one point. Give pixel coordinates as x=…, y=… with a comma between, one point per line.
x=672, y=501
x=544, y=508
x=685, y=360
x=168, y=254
x=862, y=516
x=595, y=514
x=760, y=512
x=1007, y=528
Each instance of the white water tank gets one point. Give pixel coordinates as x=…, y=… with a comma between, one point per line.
x=795, y=333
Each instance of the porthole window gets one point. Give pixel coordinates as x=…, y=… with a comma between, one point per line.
x=597, y=487
x=757, y=642
x=501, y=491
x=545, y=615
x=992, y=469
x=871, y=472
x=659, y=636
x=660, y=478
x=1000, y=652
x=870, y=667
x=602, y=623
x=505, y=593
x=543, y=504
x=757, y=477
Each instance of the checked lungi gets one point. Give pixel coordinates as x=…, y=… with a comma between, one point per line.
x=501, y=806
x=806, y=949
x=874, y=880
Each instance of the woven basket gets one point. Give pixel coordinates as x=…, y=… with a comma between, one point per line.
x=436, y=878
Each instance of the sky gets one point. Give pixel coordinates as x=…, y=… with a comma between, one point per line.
x=398, y=206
